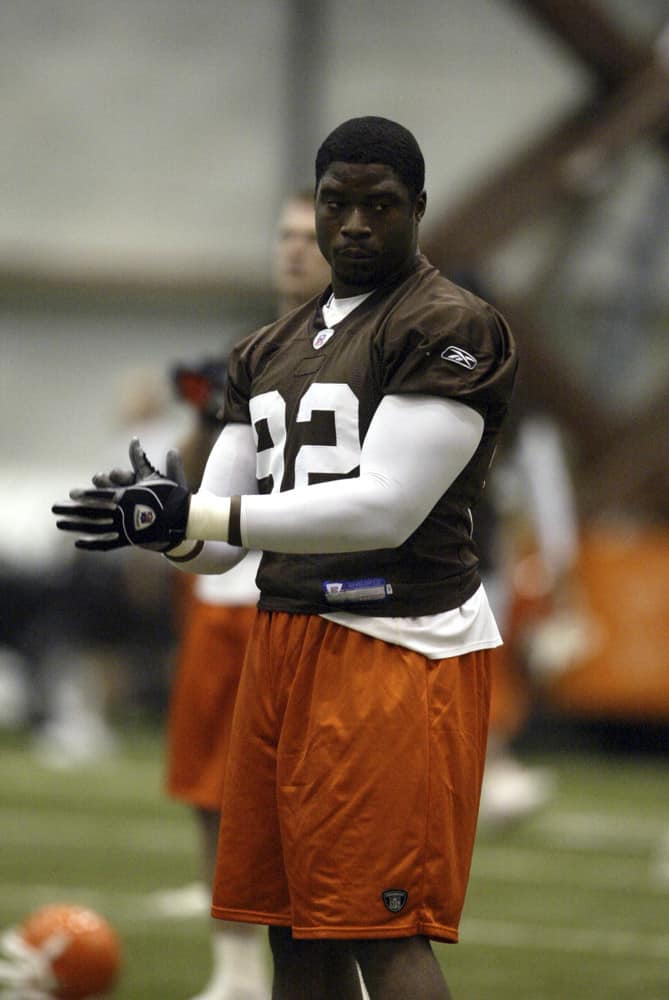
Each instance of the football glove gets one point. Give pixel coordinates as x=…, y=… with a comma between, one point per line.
x=134, y=507
x=141, y=469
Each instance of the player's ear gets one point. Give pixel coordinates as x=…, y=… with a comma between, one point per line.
x=419, y=206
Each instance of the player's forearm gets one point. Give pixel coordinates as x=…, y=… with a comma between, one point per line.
x=346, y=516
x=414, y=450
x=205, y=558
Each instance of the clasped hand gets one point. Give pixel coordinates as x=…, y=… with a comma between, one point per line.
x=140, y=506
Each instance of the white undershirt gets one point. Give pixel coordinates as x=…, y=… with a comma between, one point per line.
x=335, y=310
x=449, y=633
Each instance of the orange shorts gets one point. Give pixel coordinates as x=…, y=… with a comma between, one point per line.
x=352, y=790
x=203, y=699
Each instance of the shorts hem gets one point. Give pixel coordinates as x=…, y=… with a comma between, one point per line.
x=446, y=935
x=436, y=932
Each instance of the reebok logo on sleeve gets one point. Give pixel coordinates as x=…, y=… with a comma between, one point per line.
x=458, y=356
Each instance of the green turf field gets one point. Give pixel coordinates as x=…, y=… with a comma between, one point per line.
x=573, y=905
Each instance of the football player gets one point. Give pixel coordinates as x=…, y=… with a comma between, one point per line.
x=358, y=433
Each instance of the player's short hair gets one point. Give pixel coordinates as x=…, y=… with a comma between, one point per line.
x=374, y=140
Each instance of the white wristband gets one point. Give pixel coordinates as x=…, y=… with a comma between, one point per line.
x=208, y=517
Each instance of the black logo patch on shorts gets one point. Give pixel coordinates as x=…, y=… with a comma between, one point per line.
x=394, y=899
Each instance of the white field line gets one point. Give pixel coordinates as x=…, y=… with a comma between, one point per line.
x=633, y=852
x=600, y=831
x=641, y=836
x=543, y=866
x=63, y=829
x=660, y=863
x=624, y=944
x=562, y=830
x=184, y=902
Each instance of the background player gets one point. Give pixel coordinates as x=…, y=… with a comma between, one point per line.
x=358, y=739
x=219, y=612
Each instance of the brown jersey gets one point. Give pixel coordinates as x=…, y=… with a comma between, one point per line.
x=310, y=394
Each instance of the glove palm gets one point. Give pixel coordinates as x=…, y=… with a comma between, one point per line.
x=140, y=506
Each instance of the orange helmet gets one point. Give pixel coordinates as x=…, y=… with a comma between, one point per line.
x=75, y=952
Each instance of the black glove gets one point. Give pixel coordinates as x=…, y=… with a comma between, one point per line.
x=134, y=507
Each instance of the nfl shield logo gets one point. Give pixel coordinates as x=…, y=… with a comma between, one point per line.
x=321, y=338
x=394, y=899
x=144, y=517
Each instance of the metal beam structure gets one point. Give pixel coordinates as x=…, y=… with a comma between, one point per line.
x=591, y=35
x=631, y=103
x=560, y=165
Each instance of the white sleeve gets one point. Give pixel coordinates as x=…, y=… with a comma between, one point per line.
x=230, y=470
x=231, y=466
x=549, y=492
x=415, y=447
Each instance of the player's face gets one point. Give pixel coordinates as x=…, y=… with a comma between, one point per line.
x=366, y=223
x=299, y=269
